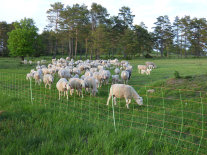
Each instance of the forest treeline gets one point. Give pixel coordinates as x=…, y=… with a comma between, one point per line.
x=76, y=30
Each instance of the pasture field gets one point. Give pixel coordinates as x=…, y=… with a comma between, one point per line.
x=173, y=119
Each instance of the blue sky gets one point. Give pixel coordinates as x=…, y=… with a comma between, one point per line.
x=144, y=10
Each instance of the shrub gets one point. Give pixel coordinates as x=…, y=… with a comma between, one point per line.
x=177, y=75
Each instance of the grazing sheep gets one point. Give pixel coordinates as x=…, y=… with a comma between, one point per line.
x=48, y=80
x=117, y=71
x=141, y=67
x=30, y=62
x=124, y=91
x=125, y=76
x=63, y=86
x=76, y=84
x=90, y=84
x=29, y=76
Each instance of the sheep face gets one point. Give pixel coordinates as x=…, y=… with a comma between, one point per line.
x=139, y=101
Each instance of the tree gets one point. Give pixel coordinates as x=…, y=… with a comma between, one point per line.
x=163, y=34
x=23, y=40
x=143, y=39
x=4, y=29
x=54, y=18
x=126, y=16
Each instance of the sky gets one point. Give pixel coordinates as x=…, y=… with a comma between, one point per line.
x=144, y=10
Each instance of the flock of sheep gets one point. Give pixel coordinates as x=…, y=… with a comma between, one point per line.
x=89, y=75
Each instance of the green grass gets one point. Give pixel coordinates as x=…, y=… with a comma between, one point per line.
x=169, y=122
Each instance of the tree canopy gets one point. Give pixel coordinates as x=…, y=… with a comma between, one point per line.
x=23, y=40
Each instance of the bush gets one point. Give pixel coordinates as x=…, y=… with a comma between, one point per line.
x=177, y=75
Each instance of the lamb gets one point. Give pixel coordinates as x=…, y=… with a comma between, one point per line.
x=124, y=91
x=141, y=67
x=147, y=72
x=48, y=80
x=63, y=86
x=125, y=76
x=76, y=84
x=90, y=83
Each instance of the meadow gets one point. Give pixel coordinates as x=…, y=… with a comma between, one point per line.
x=173, y=119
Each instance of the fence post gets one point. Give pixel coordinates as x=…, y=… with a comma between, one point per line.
x=31, y=90
x=113, y=113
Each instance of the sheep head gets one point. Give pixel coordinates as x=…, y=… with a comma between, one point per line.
x=139, y=100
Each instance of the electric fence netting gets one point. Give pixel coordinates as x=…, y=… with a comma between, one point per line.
x=177, y=117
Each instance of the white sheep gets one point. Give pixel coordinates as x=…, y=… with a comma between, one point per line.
x=30, y=62
x=29, y=76
x=115, y=79
x=91, y=84
x=147, y=71
x=63, y=73
x=151, y=63
x=48, y=80
x=76, y=84
x=124, y=91
x=38, y=76
x=141, y=67
x=117, y=71
x=125, y=76
x=63, y=86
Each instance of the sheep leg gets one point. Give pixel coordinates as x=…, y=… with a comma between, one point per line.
x=114, y=98
x=108, y=99
x=67, y=94
x=59, y=95
x=127, y=103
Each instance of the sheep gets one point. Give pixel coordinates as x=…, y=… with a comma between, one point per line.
x=105, y=75
x=150, y=67
x=147, y=72
x=76, y=84
x=29, y=76
x=38, y=76
x=124, y=91
x=141, y=67
x=151, y=63
x=115, y=79
x=90, y=83
x=45, y=71
x=125, y=76
x=63, y=73
x=117, y=71
x=30, y=62
x=63, y=86
x=48, y=80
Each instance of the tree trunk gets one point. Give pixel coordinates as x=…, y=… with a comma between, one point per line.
x=22, y=58
x=76, y=43
x=91, y=54
x=72, y=47
x=86, y=53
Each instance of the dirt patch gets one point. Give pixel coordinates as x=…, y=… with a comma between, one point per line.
x=175, y=81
